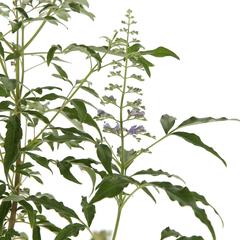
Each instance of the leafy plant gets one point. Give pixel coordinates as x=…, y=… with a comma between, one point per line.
x=28, y=125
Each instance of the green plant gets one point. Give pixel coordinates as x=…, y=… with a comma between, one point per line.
x=27, y=124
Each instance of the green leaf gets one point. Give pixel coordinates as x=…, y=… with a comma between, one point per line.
x=51, y=53
x=60, y=70
x=9, y=84
x=70, y=230
x=38, y=115
x=195, y=120
x=36, y=234
x=4, y=106
x=76, y=7
x=16, y=25
x=186, y=198
x=3, y=91
x=1, y=50
x=51, y=203
x=110, y=187
x=88, y=210
x=44, y=162
x=4, y=209
x=90, y=90
x=22, y=12
x=82, y=114
x=39, y=90
x=12, y=140
x=30, y=211
x=12, y=56
x=104, y=154
x=167, y=232
x=64, y=168
x=43, y=222
x=134, y=48
x=144, y=63
x=156, y=173
x=91, y=174
x=196, y=140
x=167, y=122
x=2, y=188
x=160, y=52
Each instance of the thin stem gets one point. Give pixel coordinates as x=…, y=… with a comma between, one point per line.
x=122, y=103
x=117, y=221
x=13, y=214
x=3, y=66
x=38, y=30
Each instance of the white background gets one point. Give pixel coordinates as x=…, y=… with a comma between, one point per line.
x=205, y=82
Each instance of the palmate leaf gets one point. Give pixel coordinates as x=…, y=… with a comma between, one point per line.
x=70, y=230
x=12, y=140
x=196, y=140
x=186, y=198
x=168, y=232
x=110, y=187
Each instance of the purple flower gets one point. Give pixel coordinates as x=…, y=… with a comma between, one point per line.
x=134, y=130
x=111, y=98
x=135, y=112
x=100, y=112
x=108, y=128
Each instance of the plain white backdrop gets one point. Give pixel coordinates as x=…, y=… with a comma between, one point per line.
x=205, y=82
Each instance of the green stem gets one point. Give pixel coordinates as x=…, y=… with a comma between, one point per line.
x=38, y=30
x=117, y=222
x=122, y=102
x=16, y=187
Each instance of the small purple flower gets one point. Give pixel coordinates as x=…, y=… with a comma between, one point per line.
x=111, y=98
x=135, y=112
x=134, y=130
x=100, y=112
x=106, y=126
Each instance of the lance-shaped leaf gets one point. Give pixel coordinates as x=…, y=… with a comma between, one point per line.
x=64, y=168
x=14, y=55
x=88, y=210
x=38, y=115
x=44, y=162
x=12, y=142
x=51, y=53
x=30, y=211
x=42, y=221
x=186, y=198
x=51, y=203
x=83, y=116
x=22, y=12
x=36, y=234
x=39, y=90
x=104, y=154
x=168, y=232
x=196, y=140
x=1, y=50
x=69, y=231
x=157, y=173
x=2, y=188
x=110, y=187
x=4, y=209
x=195, y=121
x=160, y=52
x=167, y=122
